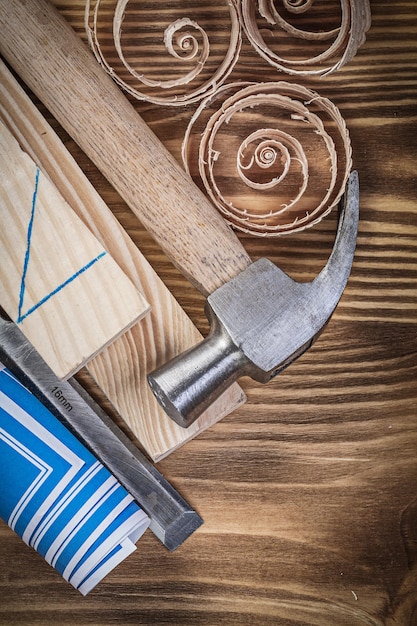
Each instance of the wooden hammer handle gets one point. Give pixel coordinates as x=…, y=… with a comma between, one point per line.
x=55, y=64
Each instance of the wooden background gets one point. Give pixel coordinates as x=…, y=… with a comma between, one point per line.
x=309, y=491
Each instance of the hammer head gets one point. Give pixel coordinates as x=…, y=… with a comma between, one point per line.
x=268, y=315
x=261, y=321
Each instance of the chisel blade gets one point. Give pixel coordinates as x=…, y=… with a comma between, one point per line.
x=172, y=518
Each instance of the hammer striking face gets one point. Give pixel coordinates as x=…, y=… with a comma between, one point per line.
x=261, y=321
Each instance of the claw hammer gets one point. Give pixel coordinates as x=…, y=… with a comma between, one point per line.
x=261, y=319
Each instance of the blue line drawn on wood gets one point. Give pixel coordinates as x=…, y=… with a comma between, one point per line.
x=27, y=253
x=21, y=316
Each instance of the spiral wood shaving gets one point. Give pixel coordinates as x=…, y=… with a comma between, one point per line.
x=295, y=155
x=184, y=41
x=292, y=165
x=332, y=47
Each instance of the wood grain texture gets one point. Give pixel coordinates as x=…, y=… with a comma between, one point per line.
x=308, y=491
x=51, y=60
x=67, y=295
x=120, y=369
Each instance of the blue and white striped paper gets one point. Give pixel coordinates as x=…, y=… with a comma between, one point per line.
x=55, y=494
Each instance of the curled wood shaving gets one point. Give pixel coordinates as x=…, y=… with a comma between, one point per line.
x=289, y=169
x=306, y=27
x=130, y=48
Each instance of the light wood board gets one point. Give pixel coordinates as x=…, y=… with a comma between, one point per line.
x=57, y=282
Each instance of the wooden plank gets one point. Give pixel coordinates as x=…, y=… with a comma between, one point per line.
x=121, y=369
x=66, y=293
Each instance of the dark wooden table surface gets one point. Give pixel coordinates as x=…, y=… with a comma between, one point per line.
x=308, y=491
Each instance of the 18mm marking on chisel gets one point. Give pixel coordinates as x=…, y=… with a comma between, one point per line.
x=62, y=399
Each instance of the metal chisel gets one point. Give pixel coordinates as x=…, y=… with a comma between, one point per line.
x=172, y=518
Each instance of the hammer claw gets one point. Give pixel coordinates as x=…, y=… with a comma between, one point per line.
x=261, y=321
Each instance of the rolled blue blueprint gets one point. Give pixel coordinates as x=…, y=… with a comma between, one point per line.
x=57, y=497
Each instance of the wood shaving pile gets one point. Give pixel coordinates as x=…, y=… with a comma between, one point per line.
x=273, y=157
